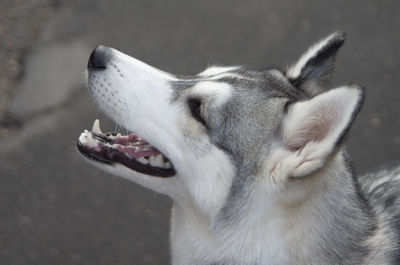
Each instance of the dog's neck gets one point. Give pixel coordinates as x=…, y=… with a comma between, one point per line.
x=282, y=230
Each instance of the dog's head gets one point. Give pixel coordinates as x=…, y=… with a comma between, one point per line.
x=210, y=138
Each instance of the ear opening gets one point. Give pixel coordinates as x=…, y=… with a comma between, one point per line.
x=312, y=131
x=312, y=72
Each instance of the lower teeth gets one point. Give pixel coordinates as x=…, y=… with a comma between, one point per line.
x=154, y=161
x=142, y=160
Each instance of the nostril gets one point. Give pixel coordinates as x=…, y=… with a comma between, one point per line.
x=99, y=58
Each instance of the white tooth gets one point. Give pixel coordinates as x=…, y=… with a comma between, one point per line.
x=142, y=160
x=159, y=160
x=152, y=161
x=156, y=161
x=167, y=165
x=96, y=127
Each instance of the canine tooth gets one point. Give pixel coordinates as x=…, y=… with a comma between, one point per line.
x=96, y=127
x=142, y=160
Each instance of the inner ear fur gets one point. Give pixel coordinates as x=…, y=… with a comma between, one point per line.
x=312, y=131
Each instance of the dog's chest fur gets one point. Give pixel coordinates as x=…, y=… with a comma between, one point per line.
x=356, y=235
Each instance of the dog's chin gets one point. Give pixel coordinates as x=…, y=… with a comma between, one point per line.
x=130, y=151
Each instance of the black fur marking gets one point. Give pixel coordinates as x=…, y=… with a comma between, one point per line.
x=318, y=68
x=356, y=110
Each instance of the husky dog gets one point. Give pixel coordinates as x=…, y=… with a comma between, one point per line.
x=253, y=160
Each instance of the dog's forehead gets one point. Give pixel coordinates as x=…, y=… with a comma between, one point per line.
x=242, y=80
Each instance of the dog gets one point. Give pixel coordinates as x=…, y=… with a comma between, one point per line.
x=254, y=161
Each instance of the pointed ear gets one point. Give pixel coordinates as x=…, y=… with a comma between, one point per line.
x=312, y=131
x=312, y=72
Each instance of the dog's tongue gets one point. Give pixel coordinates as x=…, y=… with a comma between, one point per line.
x=135, y=153
x=126, y=139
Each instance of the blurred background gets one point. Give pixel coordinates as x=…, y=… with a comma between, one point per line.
x=55, y=208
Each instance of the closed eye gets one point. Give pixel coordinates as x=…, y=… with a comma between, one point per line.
x=195, y=110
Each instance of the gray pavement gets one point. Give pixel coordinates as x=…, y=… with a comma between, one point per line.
x=56, y=209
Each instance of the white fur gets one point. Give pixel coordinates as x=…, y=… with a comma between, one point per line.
x=214, y=70
x=149, y=95
x=267, y=235
x=218, y=92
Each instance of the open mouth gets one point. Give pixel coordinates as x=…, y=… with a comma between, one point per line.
x=128, y=150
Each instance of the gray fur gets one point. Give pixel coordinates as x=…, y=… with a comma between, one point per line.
x=382, y=191
x=245, y=127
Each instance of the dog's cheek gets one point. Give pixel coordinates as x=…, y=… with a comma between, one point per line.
x=210, y=180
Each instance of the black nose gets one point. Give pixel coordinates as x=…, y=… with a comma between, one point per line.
x=99, y=58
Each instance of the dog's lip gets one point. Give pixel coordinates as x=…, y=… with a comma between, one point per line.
x=129, y=150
